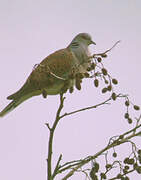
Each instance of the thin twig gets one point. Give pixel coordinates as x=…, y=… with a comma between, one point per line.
x=69, y=166
x=132, y=130
x=70, y=162
x=57, y=166
x=123, y=174
x=47, y=124
x=87, y=108
x=91, y=107
x=137, y=123
x=99, y=54
x=50, y=144
x=86, y=160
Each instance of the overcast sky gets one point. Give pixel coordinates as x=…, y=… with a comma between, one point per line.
x=31, y=30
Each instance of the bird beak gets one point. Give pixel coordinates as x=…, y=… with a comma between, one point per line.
x=92, y=42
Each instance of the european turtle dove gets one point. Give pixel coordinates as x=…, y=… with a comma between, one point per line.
x=53, y=75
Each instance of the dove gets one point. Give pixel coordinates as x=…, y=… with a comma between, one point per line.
x=57, y=73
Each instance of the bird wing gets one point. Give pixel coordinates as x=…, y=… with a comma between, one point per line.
x=54, y=67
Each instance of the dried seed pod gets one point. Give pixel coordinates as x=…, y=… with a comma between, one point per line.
x=114, y=154
x=80, y=80
x=71, y=89
x=109, y=88
x=130, y=121
x=104, y=71
x=139, y=159
x=96, y=82
x=104, y=55
x=136, y=107
x=126, y=115
x=103, y=175
x=127, y=103
x=99, y=59
x=104, y=90
x=139, y=151
x=135, y=165
x=114, y=96
x=93, y=65
x=126, y=160
x=114, y=81
x=125, y=171
x=93, y=175
x=86, y=75
x=138, y=169
x=96, y=74
x=106, y=81
x=119, y=176
x=126, y=178
x=131, y=161
x=96, y=167
x=126, y=167
x=78, y=84
x=139, y=156
x=88, y=68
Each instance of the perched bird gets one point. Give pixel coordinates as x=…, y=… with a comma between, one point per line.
x=56, y=74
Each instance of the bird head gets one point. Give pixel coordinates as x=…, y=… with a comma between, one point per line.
x=84, y=38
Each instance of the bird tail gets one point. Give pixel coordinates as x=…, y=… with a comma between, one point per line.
x=17, y=98
x=10, y=107
x=17, y=101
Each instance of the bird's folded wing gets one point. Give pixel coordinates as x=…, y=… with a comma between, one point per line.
x=50, y=71
x=56, y=66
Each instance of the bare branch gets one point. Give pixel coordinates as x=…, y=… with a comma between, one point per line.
x=98, y=71
x=91, y=107
x=88, y=159
x=87, y=108
x=123, y=174
x=50, y=144
x=57, y=166
x=47, y=124
x=100, y=54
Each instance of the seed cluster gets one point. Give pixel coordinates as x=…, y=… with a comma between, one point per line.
x=128, y=105
x=129, y=164
x=98, y=72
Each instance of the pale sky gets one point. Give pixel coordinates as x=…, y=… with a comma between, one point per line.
x=31, y=30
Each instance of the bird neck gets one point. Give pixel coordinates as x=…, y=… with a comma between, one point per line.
x=75, y=45
x=80, y=50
